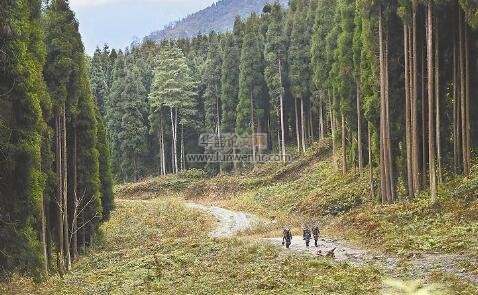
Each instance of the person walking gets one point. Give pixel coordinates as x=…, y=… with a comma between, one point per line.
x=307, y=235
x=316, y=233
x=286, y=237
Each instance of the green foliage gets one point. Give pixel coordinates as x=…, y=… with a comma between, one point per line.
x=320, y=61
x=173, y=85
x=369, y=70
x=22, y=97
x=470, y=9
x=99, y=80
x=88, y=156
x=114, y=111
x=299, y=52
x=65, y=53
x=344, y=82
x=212, y=81
x=275, y=57
x=133, y=128
x=230, y=83
x=106, y=177
x=251, y=78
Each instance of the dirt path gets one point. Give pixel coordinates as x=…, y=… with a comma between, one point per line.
x=231, y=222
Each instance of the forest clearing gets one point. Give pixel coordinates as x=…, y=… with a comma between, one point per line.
x=158, y=241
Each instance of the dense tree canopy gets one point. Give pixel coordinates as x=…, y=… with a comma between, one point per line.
x=51, y=186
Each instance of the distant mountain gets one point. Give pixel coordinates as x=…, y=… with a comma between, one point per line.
x=218, y=17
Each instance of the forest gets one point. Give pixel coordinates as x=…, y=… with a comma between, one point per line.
x=390, y=82
x=55, y=169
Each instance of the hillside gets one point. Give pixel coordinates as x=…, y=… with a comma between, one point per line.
x=155, y=243
x=218, y=17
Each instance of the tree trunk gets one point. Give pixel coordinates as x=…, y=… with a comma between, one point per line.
x=359, y=129
x=49, y=238
x=424, y=125
x=83, y=233
x=463, y=93
x=332, y=127
x=414, y=105
x=282, y=122
x=388, y=137
x=162, y=148
x=437, y=95
x=456, y=98
x=43, y=234
x=370, y=161
x=467, y=149
x=66, y=235
x=59, y=196
x=321, y=119
x=234, y=163
x=174, y=159
x=302, y=123
x=253, y=131
x=385, y=171
x=431, y=105
x=408, y=114
x=183, y=161
x=176, y=140
x=297, y=125
x=282, y=125
x=74, y=225
x=311, y=125
x=344, y=145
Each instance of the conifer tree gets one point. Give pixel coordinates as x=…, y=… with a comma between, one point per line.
x=106, y=177
x=65, y=53
x=87, y=165
x=230, y=87
x=275, y=57
x=320, y=62
x=174, y=88
x=230, y=83
x=299, y=62
x=344, y=83
x=251, y=82
x=99, y=80
x=132, y=135
x=212, y=80
x=114, y=112
x=22, y=97
x=77, y=166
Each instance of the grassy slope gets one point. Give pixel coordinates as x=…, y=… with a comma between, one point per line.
x=156, y=245
x=311, y=188
x=159, y=246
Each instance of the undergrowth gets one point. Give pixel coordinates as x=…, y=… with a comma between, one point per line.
x=159, y=246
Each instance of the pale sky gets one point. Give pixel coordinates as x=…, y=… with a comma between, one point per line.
x=118, y=22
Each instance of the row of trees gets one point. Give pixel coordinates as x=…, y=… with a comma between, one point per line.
x=389, y=81
x=55, y=174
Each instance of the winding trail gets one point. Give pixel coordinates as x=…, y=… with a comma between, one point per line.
x=231, y=222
